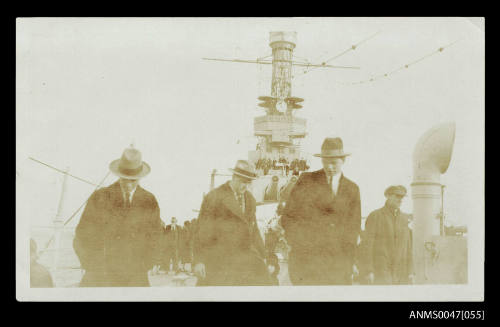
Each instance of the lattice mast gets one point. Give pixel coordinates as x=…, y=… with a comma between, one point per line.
x=279, y=128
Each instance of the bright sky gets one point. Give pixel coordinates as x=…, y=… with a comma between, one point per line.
x=87, y=88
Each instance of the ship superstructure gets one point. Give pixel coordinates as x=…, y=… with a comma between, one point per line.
x=279, y=130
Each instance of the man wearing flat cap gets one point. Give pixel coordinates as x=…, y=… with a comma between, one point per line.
x=117, y=238
x=322, y=220
x=386, y=245
x=229, y=250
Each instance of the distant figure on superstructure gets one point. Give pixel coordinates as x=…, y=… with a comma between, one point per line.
x=386, y=246
x=186, y=252
x=322, y=220
x=117, y=238
x=171, y=250
x=271, y=191
x=229, y=249
x=39, y=275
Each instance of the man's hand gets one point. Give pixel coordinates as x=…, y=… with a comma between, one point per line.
x=270, y=269
x=371, y=278
x=411, y=279
x=199, y=270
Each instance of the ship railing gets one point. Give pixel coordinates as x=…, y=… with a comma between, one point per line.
x=286, y=119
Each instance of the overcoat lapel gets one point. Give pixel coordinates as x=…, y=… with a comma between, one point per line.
x=400, y=230
x=230, y=202
x=117, y=201
x=391, y=230
x=116, y=197
x=321, y=180
x=342, y=186
x=341, y=191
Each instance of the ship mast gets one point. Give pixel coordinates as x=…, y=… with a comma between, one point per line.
x=279, y=128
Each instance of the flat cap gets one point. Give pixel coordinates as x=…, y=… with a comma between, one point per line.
x=395, y=189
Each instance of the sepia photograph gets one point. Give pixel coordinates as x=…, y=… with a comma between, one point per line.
x=250, y=159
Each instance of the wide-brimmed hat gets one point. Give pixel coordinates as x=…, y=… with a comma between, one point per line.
x=244, y=169
x=332, y=147
x=130, y=165
x=396, y=190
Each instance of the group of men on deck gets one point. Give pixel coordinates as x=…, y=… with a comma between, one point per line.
x=119, y=237
x=176, y=246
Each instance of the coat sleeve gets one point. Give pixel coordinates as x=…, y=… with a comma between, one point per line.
x=411, y=268
x=205, y=235
x=257, y=239
x=154, y=236
x=368, y=242
x=89, y=239
x=292, y=220
x=353, y=225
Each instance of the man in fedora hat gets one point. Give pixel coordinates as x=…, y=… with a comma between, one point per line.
x=386, y=246
x=322, y=219
x=229, y=249
x=117, y=238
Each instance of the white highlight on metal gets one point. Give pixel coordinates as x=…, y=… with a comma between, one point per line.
x=431, y=158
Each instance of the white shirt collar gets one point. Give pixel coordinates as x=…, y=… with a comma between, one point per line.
x=131, y=194
x=236, y=194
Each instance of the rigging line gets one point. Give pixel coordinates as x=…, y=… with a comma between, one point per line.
x=352, y=48
x=324, y=65
x=303, y=58
x=267, y=62
x=370, y=37
x=407, y=65
x=422, y=58
x=62, y=171
x=432, y=53
x=69, y=219
x=325, y=53
x=301, y=62
x=264, y=57
x=339, y=55
x=100, y=184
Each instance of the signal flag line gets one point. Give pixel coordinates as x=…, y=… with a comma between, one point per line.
x=376, y=77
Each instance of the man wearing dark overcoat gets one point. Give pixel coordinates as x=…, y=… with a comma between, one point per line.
x=229, y=249
x=117, y=237
x=322, y=220
x=185, y=245
x=172, y=241
x=386, y=246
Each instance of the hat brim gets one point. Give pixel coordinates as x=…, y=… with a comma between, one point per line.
x=114, y=167
x=242, y=175
x=392, y=193
x=319, y=155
